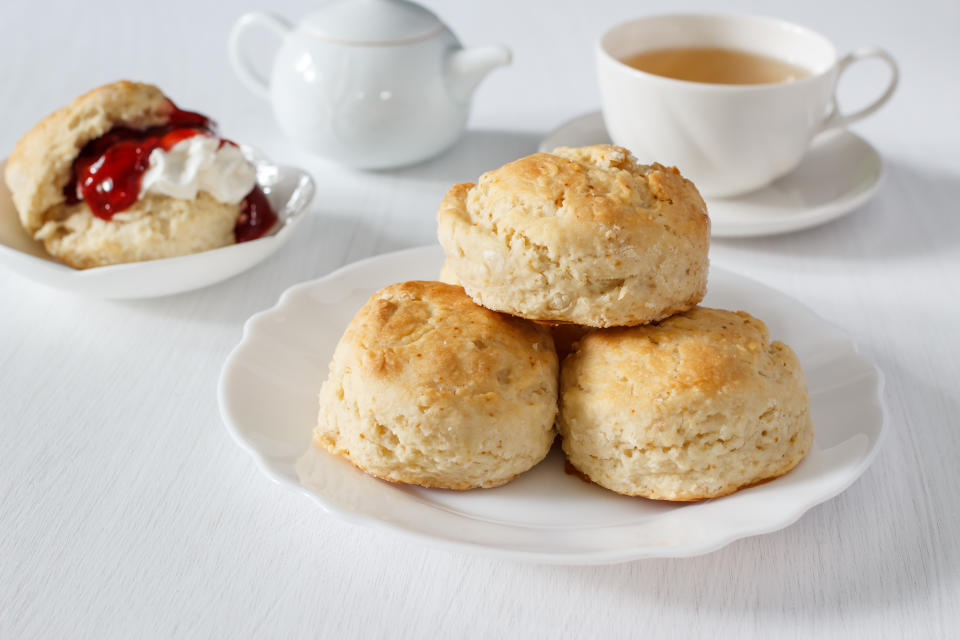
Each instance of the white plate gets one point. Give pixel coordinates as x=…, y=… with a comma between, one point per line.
x=268, y=400
x=840, y=172
x=288, y=189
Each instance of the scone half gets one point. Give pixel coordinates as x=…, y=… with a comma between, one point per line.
x=47, y=180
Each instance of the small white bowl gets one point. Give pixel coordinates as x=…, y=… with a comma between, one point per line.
x=288, y=189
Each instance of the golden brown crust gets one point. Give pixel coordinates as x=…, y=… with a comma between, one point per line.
x=697, y=406
x=397, y=327
x=428, y=388
x=39, y=167
x=584, y=236
x=705, y=348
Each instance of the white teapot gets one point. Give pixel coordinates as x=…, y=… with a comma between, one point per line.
x=367, y=83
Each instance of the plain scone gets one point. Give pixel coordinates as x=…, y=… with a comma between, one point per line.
x=695, y=407
x=426, y=387
x=581, y=235
x=155, y=227
x=564, y=335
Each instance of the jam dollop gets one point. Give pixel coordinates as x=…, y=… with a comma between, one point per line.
x=108, y=172
x=256, y=217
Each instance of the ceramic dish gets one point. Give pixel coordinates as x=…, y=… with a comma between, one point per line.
x=268, y=400
x=840, y=173
x=288, y=189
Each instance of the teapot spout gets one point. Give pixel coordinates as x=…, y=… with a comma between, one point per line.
x=465, y=68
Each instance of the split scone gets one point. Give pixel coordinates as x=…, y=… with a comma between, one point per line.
x=581, y=235
x=121, y=175
x=697, y=406
x=426, y=387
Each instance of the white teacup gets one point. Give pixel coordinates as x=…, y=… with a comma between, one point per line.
x=729, y=139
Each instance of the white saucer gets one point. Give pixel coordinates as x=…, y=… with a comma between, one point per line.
x=840, y=172
x=288, y=189
x=268, y=400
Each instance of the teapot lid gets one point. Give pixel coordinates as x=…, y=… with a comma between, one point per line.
x=371, y=22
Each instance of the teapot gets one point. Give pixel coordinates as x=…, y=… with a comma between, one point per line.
x=367, y=83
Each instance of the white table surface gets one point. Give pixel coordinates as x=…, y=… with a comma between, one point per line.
x=126, y=510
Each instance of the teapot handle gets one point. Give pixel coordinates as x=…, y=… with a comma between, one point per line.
x=255, y=81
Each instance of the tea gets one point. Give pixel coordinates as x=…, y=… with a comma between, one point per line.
x=715, y=65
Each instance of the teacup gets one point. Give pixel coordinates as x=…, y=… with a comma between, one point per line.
x=728, y=138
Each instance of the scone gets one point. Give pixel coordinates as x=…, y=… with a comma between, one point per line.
x=694, y=407
x=121, y=175
x=564, y=335
x=426, y=387
x=447, y=275
x=581, y=235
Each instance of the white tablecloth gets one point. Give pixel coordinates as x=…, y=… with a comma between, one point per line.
x=126, y=511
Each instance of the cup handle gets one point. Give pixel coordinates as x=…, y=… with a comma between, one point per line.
x=242, y=66
x=836, y=119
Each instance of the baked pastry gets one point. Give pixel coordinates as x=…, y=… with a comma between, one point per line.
x=581, y=235
x=564, y=335
x=697, y=406
x=447, y=275
x=426, y=387
x=121, y=174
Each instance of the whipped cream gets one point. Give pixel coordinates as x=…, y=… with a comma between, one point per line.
x=199, y=163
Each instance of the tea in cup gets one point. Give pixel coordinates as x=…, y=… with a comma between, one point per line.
x=733, y=101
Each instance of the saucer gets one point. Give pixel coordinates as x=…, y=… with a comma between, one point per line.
x=840, y=172
x=288, y=189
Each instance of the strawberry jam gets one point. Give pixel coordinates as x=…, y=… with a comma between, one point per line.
x=108, y=171
x=256, y=216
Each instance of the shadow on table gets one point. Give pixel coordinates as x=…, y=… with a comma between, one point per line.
x=914, y=213
x=877, y=546
x=233, y=301
x=477, y=152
